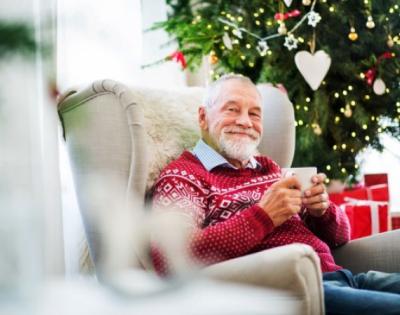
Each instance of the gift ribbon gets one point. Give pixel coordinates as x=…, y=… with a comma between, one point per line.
x=285, y=16
x=374, y=206
x=370, y=74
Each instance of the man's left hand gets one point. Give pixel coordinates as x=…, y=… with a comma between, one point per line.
x=316, y=198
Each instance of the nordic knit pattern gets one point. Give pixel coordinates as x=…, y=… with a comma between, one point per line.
x=227, y=221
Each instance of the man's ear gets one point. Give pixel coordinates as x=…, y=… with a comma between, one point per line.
x=203, y=118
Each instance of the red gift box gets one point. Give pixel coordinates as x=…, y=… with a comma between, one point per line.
x=395, y=220
x=377, y=193
x=367, y=217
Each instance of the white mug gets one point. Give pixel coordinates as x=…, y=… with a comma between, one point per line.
x=304, y=174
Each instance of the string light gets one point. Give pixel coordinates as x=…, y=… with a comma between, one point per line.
x=328, y=167
x=336, y=95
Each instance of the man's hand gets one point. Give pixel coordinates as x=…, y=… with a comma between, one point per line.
x=282, y=200
x=316, y=198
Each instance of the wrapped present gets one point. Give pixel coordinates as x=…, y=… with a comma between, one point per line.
x=375, y=179
x=376, y=193
x=366, y=217
x=395, y=220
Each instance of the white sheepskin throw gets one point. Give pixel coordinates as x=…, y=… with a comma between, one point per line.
x=171, y=123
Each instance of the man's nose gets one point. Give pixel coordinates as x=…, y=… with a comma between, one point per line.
x=244, y=121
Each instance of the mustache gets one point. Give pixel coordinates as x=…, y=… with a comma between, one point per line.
x=235, y=129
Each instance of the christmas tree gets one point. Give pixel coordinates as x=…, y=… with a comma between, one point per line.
x=16, y=37
x=339, y=61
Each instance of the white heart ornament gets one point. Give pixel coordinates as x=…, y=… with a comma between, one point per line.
x=314, y=67
x=288, y=2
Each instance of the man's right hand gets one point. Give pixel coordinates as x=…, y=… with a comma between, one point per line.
x=282, y=200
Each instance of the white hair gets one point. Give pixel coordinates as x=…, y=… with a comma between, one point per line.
x=213, y=89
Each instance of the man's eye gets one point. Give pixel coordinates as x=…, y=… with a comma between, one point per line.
x=231, y=109
x=255, y=114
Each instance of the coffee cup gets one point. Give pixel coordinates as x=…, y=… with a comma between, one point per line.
x=304, y=175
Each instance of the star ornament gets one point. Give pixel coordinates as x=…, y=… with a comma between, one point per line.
x=262, y=47
x=313, y=18
x=290, y=42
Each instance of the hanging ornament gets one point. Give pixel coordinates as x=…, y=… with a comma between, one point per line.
x=379, y=86
x=282, y=28
x=313, y=67
x=313, y=18
x=390, y=41
x=306, y=2
x=316, y=129
x=290, y=42
x=262, y=47
x=284, y=16
x=370, y=22
x=353, y=36
x=227, y=41
x=178, y=57
x=288, y=2
x=213, y=58
x=348, y=112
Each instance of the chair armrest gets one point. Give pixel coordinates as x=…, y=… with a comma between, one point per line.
x=378, y=252
x=295, y=268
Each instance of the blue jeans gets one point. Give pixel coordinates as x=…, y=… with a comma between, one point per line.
x=368, y=293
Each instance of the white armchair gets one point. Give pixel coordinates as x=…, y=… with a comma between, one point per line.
x=131, y=133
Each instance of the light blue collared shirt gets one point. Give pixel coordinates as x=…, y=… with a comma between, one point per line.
x=211, y=158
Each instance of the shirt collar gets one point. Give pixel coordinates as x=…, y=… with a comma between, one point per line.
x=211, y=158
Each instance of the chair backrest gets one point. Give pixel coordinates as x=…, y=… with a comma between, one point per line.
x=126, y=136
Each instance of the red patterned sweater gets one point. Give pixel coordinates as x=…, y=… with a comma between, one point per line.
x=222, y=203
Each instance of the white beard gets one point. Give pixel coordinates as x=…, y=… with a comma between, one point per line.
x=238, y=149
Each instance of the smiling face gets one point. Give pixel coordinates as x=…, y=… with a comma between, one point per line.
x=233, y=124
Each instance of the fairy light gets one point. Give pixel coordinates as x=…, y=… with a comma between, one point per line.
x=350, y=88
x=336, y=95
x=240, y=18
x=209, y=26
x=256, y=14
x=372, y=118
x=379, y=129
x=269, y=52
x=353, y=134
x=248, y=46
x=226, y=28
x=328, y=168
x=344, y=146
x=301, y=123
x=367, y=97
x=391, y=10
x=308, y=100
x=337, y=119
x=327, y=180
x=261, y=10
x=387, y=90
x=366, y=138
x=364, y=126
x=334, y=147
x=251, y=64
x=362, y=75
x=353, y=103
x=305, y=108
x=269, y=23
x=258, y=22
x=343, y=170
x=342, y=110
x=243, y=57
x=298, y=107
x=344, y=92
x=332, y=8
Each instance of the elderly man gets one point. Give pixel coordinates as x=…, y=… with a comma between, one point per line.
x=239, y=203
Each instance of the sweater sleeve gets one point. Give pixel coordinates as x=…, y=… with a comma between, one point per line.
x=228, y=239
x=333, y=227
